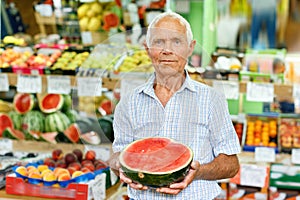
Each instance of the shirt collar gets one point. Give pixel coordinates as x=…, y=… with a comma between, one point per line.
x=148, y=87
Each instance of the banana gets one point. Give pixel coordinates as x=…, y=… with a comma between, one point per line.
x=5, y=106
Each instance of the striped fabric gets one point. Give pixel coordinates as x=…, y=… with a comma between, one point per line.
x=195, y=115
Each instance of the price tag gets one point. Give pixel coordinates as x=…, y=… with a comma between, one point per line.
x=89, y=86
x=86, y=37
x=4, y=85
x=296, y=90
x=262, y=92
x=59, y=84
x=29, y=84
x=265, y=154
x=229, y=88
x=295, y=156
x=102, y=153
x=253, y=175
x=6, y=144
x=98, y=187
x=127, y=85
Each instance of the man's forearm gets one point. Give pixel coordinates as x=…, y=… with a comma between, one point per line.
x=223, y=166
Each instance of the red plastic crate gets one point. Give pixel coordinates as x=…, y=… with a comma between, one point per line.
x=17, y=186
x=31, y=71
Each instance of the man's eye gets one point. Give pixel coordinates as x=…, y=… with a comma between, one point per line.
x=158, y=42
x=177, y=42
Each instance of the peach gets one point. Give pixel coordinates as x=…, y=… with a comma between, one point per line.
x=49, y=177
x=77, y=173
x=71, y=170
x=41, y=168
x=46, y=171
x=22, y=170
x=58, y=171
x=64, y=177
x=85, y=170
x=90, y=155
x=70, y=157
x=34, y=174
x=57, y=154
x=76, y=165
x=91, y=167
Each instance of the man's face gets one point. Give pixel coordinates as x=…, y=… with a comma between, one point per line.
x=168, y=47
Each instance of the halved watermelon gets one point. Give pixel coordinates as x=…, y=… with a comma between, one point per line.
x=156, y=161
x=5, y=122
x=72, y=133
x=51, y=103
x=49, y=137
x=90, y=138
x=24, y=102
x=13, y=134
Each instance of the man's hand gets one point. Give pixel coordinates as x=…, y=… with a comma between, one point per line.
x=175, y=188
x=114, y=163
x=127, y=180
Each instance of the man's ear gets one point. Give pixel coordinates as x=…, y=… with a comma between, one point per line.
x=146, y=47
x=192, y=47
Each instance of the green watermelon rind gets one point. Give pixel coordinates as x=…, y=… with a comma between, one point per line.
x=8, y=133
x=17, y=119
x=57, y=121
x=52, y=110
x=156, y=179
x=33, y=121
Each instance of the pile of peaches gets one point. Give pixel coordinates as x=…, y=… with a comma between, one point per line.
x=61, y=169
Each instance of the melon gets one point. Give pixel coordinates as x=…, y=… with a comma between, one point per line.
x=57, y=121
x=33, y=124
x=24, y=102
x=51, y=103
x=72, y=133
x=90, y=138
x=5, y=122
x=49, y=137
x=13, y=134
x=17, y=119
x=156, y=161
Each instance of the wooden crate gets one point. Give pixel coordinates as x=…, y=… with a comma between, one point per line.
x=43, y=21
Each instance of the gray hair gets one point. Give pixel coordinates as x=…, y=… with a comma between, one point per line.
x=183, y=21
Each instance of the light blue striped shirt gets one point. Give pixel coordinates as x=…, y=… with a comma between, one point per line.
x=195, y=115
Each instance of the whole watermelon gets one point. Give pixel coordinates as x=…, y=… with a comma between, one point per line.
x=17, y=119
x=32, y=124
x=57, y=121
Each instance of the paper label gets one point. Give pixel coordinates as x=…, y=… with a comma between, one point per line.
x=253, y=175
x=265, y=154
x=261, y=92
x=296, y=90
x=229, y=88
x=29, y=84
x=6, y=144
x=98, y=187
x=59, y=84
x=89, y=86
x=295, y=156
x=4, y=84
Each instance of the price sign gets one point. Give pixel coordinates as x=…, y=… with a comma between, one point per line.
x=4, y=85
x=29, y=84
x=262, y=92
x=253, y=175
x=98, y=187
x=229, y=88
x=127, y=85
x=265, y=154
x=296, y=90
x=59, y=84
x=89, y=86
x=296, y=156
x=102, y=153
x=86, y=37
x=6, y=144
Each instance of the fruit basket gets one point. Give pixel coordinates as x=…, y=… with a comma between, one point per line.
x=289, y=132
x=261, y=131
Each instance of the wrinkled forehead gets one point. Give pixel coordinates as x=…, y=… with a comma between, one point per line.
x=167, y=34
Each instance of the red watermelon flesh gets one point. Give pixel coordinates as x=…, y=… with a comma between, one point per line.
x=72, y=133
x=5, y=122
x=13, y=134
x=23, y=102
x=51, y=103
x=156, y=155
x=49, y=137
